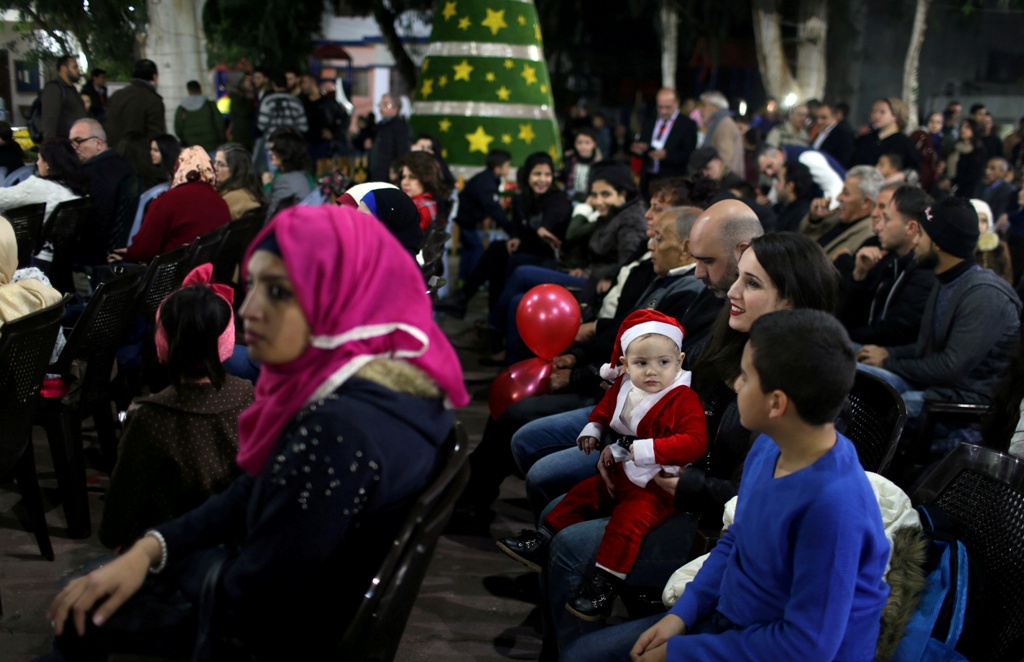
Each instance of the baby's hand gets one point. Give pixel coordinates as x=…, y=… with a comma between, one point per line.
x=587, y=444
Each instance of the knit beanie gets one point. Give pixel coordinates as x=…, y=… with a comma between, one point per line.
x=952, y=224
x=640, y=323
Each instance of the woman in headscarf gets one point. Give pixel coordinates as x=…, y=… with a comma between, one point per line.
x=24, y=292
x=191, y=208
x=354, y=400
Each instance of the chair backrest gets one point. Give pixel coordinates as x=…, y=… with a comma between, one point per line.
x=204, y=249
x=148, y=196
x=25, y=347
x=875, y=421
x=64, y=229
x=238, y=234
x=163, y=276
x=375, y=631
x=18, y=176
x=27, y=222
x=99, y=331
x=982, y=491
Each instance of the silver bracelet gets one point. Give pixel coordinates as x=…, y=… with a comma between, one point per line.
x=163, y=551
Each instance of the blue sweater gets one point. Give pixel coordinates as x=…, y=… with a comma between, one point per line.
x=800, y=571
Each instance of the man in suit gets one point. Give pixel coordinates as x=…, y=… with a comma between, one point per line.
x=666, y=141
x=835, y=137
x=994, y=189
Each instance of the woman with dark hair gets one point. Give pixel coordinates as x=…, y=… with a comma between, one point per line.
x=191, y=208
x=137, y=149
x=237, y=182
x=60, y=177
x=422, y=180
x=965, y=165
x=289, y=154
x=575, y=175
x=163, y=153
x=179, y=445
x=353, y=405
x=12, y=156
x=888, y=118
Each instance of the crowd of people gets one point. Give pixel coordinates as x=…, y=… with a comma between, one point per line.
x=734, y=277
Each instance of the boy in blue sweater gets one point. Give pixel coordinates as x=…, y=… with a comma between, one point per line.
x=799, y=574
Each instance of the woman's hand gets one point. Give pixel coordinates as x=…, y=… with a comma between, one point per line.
x=110, y=585
x=652, y=644
x=586, y=331
x=604, y=464
x=587, y=444
x=549, y=238
x=512, y=245
x=872, y=355
x=603, y=285
x=559, y=379
x=564, y=361
x=116, y=255
x=578, y=273
x=267, y=178
x=666, y=482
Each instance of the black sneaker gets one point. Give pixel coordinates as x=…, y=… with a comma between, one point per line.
x=454, y=306
x=593, y=601
x=529, y=548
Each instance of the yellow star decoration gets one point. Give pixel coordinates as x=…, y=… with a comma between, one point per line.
x=464, y=23
x=554, y=153
x=462, y=70
x=509, y=64
x=526, y=133
x=426, y=64
x=428, y=87
x=495, y=20
x=449, y=10
x=479, y=141
x=543, y=89
x=506, y=138
x=504, y=93
x=521, y=19
x=444, y=153
x=490, y=76
x=442, y=80
x=529, y=74
x=536, y=32
x=444, y=125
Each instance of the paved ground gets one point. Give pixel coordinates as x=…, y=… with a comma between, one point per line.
x=454, y=618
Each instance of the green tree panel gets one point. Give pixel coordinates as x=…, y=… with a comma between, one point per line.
x=466, y=140
x=496, y=21
x=508, y=80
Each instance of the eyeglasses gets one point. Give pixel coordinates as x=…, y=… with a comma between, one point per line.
x=79, y=141
x=386, y=105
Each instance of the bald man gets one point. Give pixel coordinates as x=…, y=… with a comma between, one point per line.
x=666, y=141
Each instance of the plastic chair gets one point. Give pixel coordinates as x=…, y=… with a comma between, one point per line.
x=94, y=341
x=982, y=491
x=64, y=229
x=25, y=347
x=376, y=630
x=18, y=176
x=875, y=421
x=163, y=276
x=27, y=222
x=238, y=234
x=204, y=249
x=147, y=197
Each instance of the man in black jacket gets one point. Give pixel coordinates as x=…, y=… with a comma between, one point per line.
x=665, y=142
x=392, y=140
x=887, y=293
x=62, y=104
x=835, y=137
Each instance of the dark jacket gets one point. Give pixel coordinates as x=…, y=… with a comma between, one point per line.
x=886, y=307
x=839, y=144
x=308, y=532
x=137, y=107
x=62, y=107
x=198, y=122
x=963, y=356
x=553, y=212
x=11, y=156
x=789, y=216
x=869, y=148
x=480, y=199
x=681, y=141
x=1001, y=197
x=97, y=98
x=392, y=141
x=114, y=192
x=614, y=239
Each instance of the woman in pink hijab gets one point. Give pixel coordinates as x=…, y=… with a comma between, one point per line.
x=355, y=397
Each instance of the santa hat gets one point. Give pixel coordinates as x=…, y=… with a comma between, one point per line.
x=640, y=323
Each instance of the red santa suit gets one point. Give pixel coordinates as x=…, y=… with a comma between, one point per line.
x=671, y=431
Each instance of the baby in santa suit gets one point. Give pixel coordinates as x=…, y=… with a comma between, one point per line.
x=650, y=420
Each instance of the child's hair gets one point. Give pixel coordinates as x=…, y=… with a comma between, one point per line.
x=807, y=355
x=194, y=318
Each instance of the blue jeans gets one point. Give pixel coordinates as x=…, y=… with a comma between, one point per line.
x=472, y=250
x=912, y=398
x=612, y=643
x=503, y=316
x=545, y=452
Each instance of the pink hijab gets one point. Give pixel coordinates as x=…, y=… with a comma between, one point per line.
x=364, y=298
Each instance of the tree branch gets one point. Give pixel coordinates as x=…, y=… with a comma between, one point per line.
x=386, y=21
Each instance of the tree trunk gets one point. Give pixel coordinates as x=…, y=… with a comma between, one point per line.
x=669, y=43
x=386, y=22
x=910, y=65
x=846, y=22
x=812, y=27
x=771, y=57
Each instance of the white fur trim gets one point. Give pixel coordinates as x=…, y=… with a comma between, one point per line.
x=609, y=373
x=661, y=328
x=643, y=452
x=592, y=430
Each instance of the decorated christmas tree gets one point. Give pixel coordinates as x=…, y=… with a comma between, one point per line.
x=484, y=84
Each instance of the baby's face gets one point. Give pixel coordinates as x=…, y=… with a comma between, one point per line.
x=652, y=362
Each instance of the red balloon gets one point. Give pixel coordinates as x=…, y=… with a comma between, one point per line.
x=548, y=318
x=517, y=382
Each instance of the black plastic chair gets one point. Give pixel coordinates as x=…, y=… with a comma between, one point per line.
x=376, y=630
x=163, y=276
x=64, y=229
x=25, y=348
x=94, y=341
x=874, y=421
x=238, y=234
x=982, y=491
x=27, y=222
x=204, y=249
